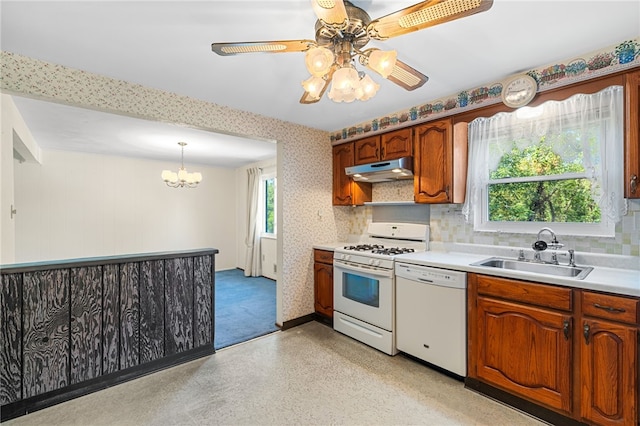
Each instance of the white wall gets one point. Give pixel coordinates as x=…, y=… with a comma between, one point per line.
x=83, y=205
x=14, y=134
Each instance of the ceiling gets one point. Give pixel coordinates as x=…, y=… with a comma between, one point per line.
x=167, y=45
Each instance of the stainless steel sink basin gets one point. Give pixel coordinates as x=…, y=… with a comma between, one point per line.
x=577, y=272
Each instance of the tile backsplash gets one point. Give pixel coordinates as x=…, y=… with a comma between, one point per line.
x=448, y=225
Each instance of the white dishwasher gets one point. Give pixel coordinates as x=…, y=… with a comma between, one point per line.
x=431, y=315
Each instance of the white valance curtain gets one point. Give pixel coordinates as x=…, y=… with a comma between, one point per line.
x=490, y=138
x=252, y=264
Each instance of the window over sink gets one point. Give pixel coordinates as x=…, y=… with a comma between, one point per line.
x=559, y=163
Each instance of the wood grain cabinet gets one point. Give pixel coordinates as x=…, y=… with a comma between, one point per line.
x=65, y=325
x=388, y=146
x=522, y=340
x=323, y=282
x=571, y=351
x=440, y=162
x=632, y=135
x=609, y=359
x=347, y=192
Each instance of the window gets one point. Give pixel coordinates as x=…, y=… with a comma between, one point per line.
x=270, y=206
x=268, y=197
x=559, y=165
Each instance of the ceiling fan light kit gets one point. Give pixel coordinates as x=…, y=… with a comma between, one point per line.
x=341, y=32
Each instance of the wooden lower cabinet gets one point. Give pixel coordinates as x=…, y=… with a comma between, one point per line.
x=323, y=282
x=570, y=351
x=522, y=349
x=609, y=359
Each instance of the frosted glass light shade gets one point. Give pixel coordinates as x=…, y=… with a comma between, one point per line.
x=382, y=61
x=345, y=85
x=313, y=85
x=369, y=88
x=318, y=61
x=166, y=175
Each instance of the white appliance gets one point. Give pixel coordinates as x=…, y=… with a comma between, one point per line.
x=364, y=284
x=431, y=315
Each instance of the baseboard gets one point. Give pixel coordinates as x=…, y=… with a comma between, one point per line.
x=297, y=321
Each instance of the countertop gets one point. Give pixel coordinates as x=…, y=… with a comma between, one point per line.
x=621, y=277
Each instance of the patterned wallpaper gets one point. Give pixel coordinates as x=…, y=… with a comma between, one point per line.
x=305, y=197
x=622, y=56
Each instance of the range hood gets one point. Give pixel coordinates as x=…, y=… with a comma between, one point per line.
x=382, y=171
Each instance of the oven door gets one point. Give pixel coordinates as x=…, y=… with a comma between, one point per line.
x=364, y=293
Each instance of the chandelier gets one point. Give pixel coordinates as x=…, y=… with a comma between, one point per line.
x=182, y=178
x=338, y=68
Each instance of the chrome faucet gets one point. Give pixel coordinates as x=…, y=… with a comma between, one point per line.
x=539, y=246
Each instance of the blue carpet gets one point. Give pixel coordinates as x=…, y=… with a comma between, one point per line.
x=245, y=307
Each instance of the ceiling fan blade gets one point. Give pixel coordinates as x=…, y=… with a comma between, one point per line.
x=278, y=46
x=332, y=12
x=424, y=14
x=407, y=77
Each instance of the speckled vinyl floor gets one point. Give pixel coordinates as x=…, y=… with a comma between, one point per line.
x=307, y=375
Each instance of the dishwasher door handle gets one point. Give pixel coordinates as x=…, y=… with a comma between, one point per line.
x=424, y=280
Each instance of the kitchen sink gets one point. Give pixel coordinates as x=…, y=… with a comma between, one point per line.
x=577, y=272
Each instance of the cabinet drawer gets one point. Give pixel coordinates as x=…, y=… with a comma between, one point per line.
x=617, y=308
x=323, y=256
x=520, y=291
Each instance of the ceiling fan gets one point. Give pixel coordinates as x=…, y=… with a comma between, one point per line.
x=341, y=33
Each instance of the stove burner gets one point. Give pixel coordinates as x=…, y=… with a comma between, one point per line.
x=365, y=247
x=393, y=251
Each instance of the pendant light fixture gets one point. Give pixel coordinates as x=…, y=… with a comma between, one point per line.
x=181, y=178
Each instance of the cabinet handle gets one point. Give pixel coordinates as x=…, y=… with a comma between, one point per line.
x=377, y=151
x=382, y=153
x=585, y=331
x=565, y=329
x=609, y=308
x=446, y=190
x=633, y=183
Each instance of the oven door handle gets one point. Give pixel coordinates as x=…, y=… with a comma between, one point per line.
x=363, y=269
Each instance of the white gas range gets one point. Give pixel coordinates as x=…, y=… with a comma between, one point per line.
x=364, y=285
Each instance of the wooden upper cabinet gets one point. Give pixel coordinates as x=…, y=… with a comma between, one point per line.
x=440, y=162
x=632, y=136
x=346, y=192
x=396, y=144
x=387, y=146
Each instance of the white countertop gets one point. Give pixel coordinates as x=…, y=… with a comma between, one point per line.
x=610, y=280
x=617, y=280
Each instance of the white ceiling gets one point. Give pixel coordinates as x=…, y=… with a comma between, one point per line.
x=167, y=45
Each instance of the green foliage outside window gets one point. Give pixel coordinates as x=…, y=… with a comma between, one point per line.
x=561, y=200
x=270, y=193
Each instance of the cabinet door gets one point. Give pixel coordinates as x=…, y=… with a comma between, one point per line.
x=323, y=286
x=10, y=338
x=346, y=192
x=396, y=144
x=178, y=283
x=609, y=372
x=367, y=150
x=433, y=162
x=86, y=323
x=632, y=136
x=46, y=331
x=526, y=351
